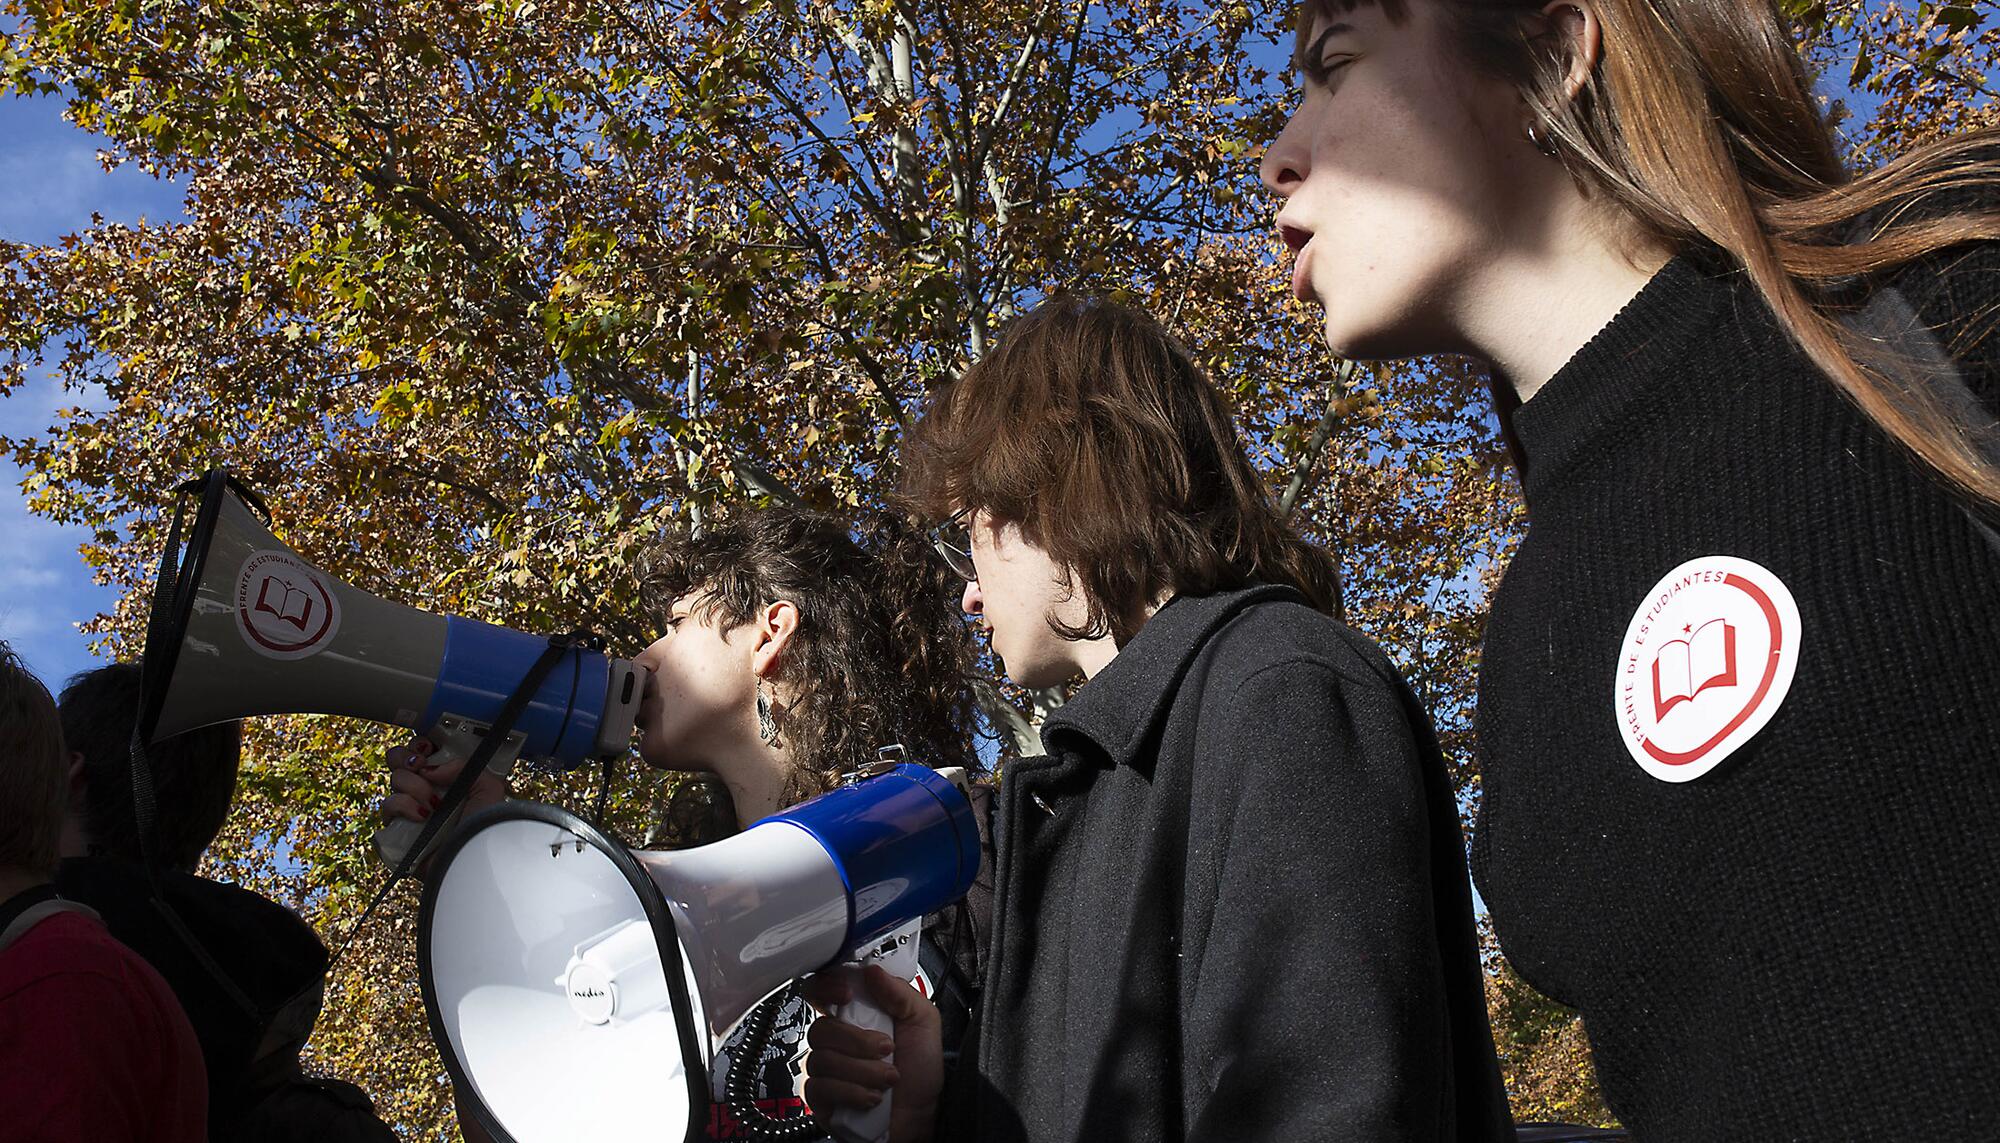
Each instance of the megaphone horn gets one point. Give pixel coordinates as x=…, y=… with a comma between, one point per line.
x=246, y=627
x=578, y=988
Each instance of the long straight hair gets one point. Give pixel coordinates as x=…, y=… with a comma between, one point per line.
x=1699, y=122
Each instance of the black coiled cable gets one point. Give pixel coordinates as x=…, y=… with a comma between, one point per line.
x=739, y=1086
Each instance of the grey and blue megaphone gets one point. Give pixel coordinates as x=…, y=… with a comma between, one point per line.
x=579, y=989
x=243, y=626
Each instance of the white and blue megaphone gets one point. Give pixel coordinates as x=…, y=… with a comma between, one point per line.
x=579, y=989
x=243, y=626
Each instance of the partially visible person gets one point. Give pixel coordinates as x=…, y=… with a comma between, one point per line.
x=792, y=648
x=1737, y=698
x=249, y=972
x=93, y=1045
x=1231, y=903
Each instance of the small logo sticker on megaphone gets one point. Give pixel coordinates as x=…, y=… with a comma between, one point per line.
x=284, y=608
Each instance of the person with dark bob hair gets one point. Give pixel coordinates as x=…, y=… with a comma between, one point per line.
x=194, y=774
x=1231, y=901
x=794, y=647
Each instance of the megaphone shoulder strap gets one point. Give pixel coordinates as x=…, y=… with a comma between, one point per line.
x=461, y=787
x=145, y=813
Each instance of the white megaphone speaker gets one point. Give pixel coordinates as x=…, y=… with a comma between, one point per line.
x=578, y=989
x=242, y=626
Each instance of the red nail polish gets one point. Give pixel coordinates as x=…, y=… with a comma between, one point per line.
x=424, y=747
x=423, y=811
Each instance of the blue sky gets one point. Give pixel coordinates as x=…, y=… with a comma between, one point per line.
x=54, y=183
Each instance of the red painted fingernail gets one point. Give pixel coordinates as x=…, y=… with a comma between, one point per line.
x=424, y=747
x=423, y=811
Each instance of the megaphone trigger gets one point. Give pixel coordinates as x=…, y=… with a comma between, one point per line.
x=453, y=737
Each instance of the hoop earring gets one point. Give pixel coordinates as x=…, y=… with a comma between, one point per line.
x=767, y=727
x=1541, y=141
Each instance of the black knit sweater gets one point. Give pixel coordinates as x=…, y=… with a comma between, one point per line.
x=1804, y=942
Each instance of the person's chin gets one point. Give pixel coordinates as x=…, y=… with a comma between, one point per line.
x=1381, y=328
x=659, y=755
x=1343, y=334
x=1035, y=677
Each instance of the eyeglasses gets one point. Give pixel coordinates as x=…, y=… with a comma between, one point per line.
x=953, y=542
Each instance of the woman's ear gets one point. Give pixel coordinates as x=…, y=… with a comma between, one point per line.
x=1580, y=36
x=776, y=624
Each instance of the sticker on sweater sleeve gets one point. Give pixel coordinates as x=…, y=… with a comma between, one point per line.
x=1707, y=660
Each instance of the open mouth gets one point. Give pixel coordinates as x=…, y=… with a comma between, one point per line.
x=1297, y=239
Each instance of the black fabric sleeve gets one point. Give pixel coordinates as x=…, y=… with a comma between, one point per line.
x=1312, y=980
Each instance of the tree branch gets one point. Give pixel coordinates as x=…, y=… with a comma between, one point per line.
x=1008, y=718
x=450, y=479
x=1005, y=103
x=1307, y=462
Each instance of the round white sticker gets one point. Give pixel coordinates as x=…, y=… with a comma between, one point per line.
x=284, y=608
x=1706, y=662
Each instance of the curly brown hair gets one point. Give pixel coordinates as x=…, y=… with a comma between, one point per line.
x=881, y=654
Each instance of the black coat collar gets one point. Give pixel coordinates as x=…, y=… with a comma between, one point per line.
x=1119, y=709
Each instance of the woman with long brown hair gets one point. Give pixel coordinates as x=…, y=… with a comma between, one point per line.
x=1231, y=901
x=1737, y=704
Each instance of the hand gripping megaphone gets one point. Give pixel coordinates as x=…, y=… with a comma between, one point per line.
x=579, y=988
x=243, y=626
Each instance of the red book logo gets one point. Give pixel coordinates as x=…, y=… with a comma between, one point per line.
x=288, y=603
x=1686, y=667
x=284, y=609
x=1720, y=623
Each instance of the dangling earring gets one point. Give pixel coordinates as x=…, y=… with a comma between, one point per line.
x=767, y=727
x=1540, y=140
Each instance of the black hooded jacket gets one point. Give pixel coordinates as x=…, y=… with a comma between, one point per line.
x=256, y=1088
x=1232, y=904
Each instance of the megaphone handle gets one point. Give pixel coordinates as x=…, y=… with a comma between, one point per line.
x=451, y=738
x=897, y=954
x=394, y=840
